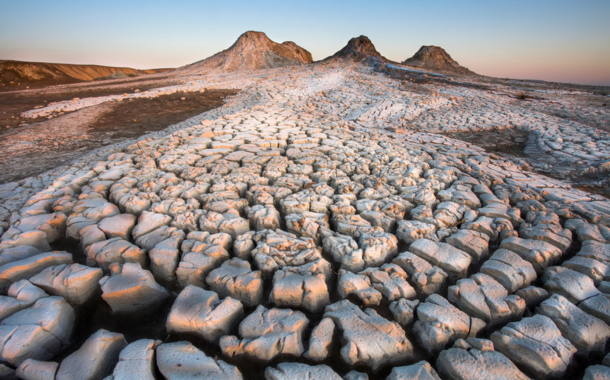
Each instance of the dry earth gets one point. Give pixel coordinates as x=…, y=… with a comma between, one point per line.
x=329, y=221
x=39, y=146
x=14, y=102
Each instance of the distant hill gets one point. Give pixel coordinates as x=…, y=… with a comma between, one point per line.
x=40, y=73
x=251, y=51
x=436, y=58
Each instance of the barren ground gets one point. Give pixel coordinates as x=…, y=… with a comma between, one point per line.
x=372, y=201
x=42, y=145
x=13, y=102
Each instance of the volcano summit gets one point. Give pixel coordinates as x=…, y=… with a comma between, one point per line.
x=436, y=58
x=251, y=51
x=357, y=49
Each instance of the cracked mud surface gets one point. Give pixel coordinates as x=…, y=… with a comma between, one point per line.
x=326, y=219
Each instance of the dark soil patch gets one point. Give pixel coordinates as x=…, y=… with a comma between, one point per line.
x=507, y=141
x=525, y=96
x=11, y=81
x=12, y=104
x=423, y=78
x=590, y=182
x=132, y=118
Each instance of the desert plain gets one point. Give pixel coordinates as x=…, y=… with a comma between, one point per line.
x=258, y=215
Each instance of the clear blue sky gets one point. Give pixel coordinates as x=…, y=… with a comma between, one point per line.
x=556, y=40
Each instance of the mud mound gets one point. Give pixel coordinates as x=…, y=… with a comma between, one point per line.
x=436, y=58
x=358, y=49
x=252, y=51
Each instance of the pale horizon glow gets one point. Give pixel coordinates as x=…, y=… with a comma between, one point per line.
x=562, y=41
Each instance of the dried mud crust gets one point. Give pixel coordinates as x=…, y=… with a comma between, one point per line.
x=370, y=250
x=320, y=199
x=566, y=139
x=599, y=100
x=511, y=143
x=35, y=148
